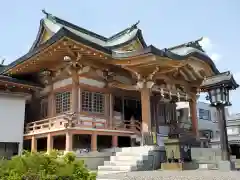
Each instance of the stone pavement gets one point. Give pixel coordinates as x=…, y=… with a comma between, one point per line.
x=177, y=175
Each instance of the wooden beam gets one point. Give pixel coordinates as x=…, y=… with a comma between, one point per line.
x=187, y=74
x=122, y=86
x=169, y=79
x=206, y=66
x=133, y=61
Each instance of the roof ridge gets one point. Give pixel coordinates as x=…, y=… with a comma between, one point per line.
x=131, y=28
x=56, y=19
x=194, y=44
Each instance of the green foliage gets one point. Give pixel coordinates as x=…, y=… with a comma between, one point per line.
x=41, y=166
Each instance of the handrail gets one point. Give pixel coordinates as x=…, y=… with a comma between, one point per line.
x=132, y=125
x=71, y=120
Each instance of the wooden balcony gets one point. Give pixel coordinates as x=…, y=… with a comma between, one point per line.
x=80, y=121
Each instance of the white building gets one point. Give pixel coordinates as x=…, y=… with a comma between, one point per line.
x=207, y=118
x=233, y=131
x=12, y=112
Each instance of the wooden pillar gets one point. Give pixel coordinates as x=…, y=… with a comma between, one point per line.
x=111, y=111
x=34, y=144
x=107, y=109
x=80, y=100
x=69, y=142
x=146, y=110
x=94, y=142
x=114, y=141
x=49, y=143
x=194, y=119
x=75, y=92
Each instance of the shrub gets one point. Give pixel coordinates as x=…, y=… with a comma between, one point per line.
x=41, y=166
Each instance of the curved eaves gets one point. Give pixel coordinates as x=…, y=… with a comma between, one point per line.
x=35, y=51
x=150, y=49
x=196, y=54
x=141, y=39
x=39, y=35
x=166, y=53
x=86, y=42
x=63, y=32
x=138, y=36
x=18, y=81
x=64, y=23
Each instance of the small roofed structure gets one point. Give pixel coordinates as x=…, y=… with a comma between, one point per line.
x=225, y=79
x=221, y=82
x=218, y=88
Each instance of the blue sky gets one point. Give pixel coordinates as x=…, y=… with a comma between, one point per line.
x=164, y=23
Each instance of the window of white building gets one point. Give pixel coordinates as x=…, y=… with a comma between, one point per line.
x=204, y=114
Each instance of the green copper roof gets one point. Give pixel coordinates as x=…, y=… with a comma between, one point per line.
x=61, y=28
x=54, y=24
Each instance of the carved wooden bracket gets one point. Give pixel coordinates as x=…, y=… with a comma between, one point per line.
x=70, y=117
x=145, y=84
x=73, y=64
x=146, y=81
x=46, y=77
x=73, y=61
x=151, y=76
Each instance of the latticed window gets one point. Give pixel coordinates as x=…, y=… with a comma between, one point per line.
x=93, y=102
x=63, y=102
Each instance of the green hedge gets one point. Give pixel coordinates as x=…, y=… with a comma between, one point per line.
x=42, y=166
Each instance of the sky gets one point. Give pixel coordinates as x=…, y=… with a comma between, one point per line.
x=164, y=23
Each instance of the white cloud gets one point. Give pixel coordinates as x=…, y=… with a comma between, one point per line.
x=237, y=77
x=206, y=44
x=215, y=57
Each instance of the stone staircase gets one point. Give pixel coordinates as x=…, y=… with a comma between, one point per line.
x=130, y=159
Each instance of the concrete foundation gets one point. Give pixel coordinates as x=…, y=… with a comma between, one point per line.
x=225, y=166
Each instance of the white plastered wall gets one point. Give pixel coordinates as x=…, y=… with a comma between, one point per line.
x=12, y=111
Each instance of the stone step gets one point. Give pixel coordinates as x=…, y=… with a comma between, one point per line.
x=117, y=168
x=208, y=166
x=138, y=149
x=123, y=163
x=126, y=158
x=136, y=153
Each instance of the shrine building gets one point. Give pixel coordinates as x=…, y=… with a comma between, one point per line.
x=82, y=90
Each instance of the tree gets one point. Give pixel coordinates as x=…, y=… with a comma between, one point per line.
x=42, y=166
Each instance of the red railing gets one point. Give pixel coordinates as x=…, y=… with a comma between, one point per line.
x=79, y=121
x=130, y=125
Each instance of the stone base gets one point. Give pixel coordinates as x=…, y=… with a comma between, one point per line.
x=224, y=166
x=207, y=166
x=179, y=166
